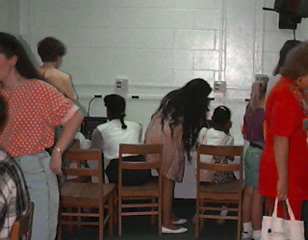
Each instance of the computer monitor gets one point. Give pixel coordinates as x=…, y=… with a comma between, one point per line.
x=90, y=123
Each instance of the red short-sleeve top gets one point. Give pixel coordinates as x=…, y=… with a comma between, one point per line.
x=285, y=117
x=34, y=109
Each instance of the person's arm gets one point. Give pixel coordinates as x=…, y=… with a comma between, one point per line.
x=281, y=152
x=67, y=135
x=96, y=140
x=68, y=89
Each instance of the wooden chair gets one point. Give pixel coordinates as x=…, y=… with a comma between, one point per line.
x=81, y=200
x=22, y=227
x=149, y=195
x=210, y=195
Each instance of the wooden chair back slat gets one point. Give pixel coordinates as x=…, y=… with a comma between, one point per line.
x=141, y=149
x=220, y=167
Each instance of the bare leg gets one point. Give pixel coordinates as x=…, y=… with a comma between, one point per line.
x=247, y=199
x=168, y=193
x=256, y=210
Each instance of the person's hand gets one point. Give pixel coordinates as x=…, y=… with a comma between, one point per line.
x=55, y=163
x=282, y=189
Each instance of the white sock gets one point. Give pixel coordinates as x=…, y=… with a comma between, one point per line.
x=247, y=227
x=256, y=234
x=224, y=212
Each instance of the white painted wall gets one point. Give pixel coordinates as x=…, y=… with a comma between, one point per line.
x=9, y=16
x=158, y=45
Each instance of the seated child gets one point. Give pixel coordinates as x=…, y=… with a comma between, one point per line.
x=218, y=135
x=109, y=135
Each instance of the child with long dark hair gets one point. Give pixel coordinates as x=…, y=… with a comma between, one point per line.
x=176, y=125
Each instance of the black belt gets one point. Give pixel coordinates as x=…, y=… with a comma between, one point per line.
x=252, y=144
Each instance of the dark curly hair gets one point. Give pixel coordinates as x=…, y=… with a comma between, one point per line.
x=50, y=48
x=187, y=106
x=287, y=47
x=10, y=46
x=116, y=106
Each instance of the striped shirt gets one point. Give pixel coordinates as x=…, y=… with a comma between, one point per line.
x=14, y=195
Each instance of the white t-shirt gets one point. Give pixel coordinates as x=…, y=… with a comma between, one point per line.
x=109, y=135
x=216, y=138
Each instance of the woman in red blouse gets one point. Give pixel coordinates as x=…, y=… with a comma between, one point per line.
x=284, y=161
x=35, y=108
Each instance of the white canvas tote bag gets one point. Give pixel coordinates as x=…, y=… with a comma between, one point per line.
x=274, y=228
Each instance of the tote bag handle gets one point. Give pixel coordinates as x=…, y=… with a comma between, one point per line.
x=291, y=214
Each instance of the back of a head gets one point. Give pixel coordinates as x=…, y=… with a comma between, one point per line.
x=287, y=47
x=10, y=46
x=50, y=49
x=221, y=115
x=194, y=95
x=258, y=93
x=198, y=88
x=116, y=104
x=296, y=64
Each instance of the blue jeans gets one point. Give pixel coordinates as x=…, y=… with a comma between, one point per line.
x=43, y=188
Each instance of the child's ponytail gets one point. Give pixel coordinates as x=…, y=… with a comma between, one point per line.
x=124, y=126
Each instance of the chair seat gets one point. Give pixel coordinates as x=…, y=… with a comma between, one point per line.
x=143, y=190
x=85, y=192
x=219, y=190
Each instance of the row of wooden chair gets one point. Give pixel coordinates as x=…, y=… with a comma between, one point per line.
x=81, y=199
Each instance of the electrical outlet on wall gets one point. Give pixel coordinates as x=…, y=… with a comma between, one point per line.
x=121, y=86
x=220, y=88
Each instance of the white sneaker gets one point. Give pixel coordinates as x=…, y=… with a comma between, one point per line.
x=246, y=235
x=176, y=231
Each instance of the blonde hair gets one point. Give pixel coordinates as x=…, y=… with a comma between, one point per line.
x=258, y=93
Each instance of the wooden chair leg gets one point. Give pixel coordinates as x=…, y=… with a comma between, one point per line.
x=160, y=217
x=111, y=214
x=101, y=226
x=197, y=226
x=115, y=208
x=70, y=219
x=59, y=232
x=153, y=200
x=239, y=222
x=79, y=218
x=196, y=218
x=120, y=217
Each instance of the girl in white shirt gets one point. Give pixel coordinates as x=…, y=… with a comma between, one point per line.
x=108, y=136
